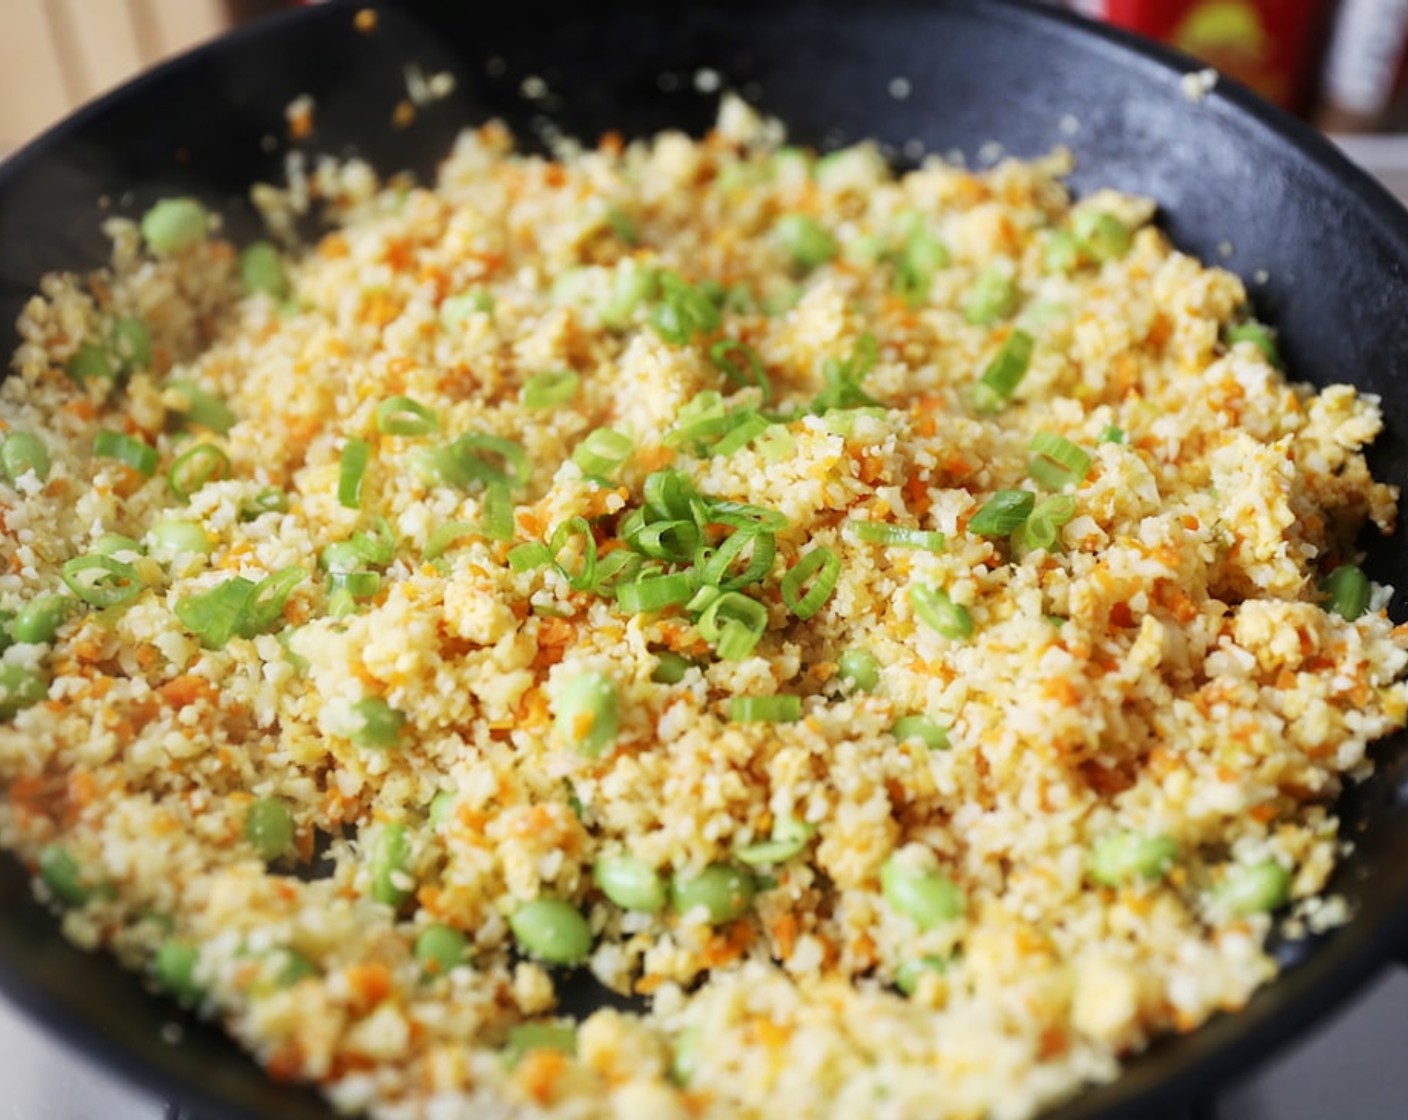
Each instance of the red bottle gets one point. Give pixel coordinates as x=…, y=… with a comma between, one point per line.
x=1271, y=45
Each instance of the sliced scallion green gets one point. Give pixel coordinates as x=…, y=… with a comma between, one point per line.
x=1004, y=373
x=655, y=593
x=992, y=297
x=101, y=581
x=603, y=451
x=915, y=265
x=352, y=470
x=1103, y=236
x=720, y=570
x=548, y=390
x=733, y=624
x=780, y=708
x=195, y=467
x=584, y=579
x=894, y=536
x=131, y=343
x=202, y=408
x=402, y=416
x=823, y=568
x=268, y=500
x=360, y=585
x=940, y=613
x=446, y=535
x=1002, y=514
x=1043, y=528
x=740, y=363
x=683, y=311
x=140, y=456
x=1056, y=461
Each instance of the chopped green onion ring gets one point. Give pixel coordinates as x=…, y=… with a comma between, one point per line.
x=101, y=581
x=352, y=470
x=820, y=562
x=894, y=536
x=193, y=468
x=402, y=416
x=780, y=708
x=138, y=455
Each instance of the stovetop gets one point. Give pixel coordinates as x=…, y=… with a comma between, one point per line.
x=1352, y=1068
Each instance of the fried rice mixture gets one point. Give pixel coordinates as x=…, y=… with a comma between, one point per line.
x=902, y=632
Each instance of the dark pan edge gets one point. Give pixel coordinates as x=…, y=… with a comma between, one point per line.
x=1349, y=957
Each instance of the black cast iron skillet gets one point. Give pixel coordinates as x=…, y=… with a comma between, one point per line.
x=1324, y=251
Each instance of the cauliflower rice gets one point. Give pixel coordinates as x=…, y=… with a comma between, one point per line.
x=352, y=758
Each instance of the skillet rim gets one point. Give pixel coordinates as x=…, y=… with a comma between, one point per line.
x=1220, y=1048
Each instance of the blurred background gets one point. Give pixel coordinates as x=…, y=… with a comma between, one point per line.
x=1338, y=63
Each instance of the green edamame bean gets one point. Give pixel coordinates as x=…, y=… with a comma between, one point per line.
x=552, y=930
x=174, y=967
x=1122, y=857
x=859, y=669
x=262, y=270
x=440, y=948
x=40, y=618
x=62, y=876
x=110, y=544
x=630, y=883
x=685, y=1059
x=442, y=808
x=1102, y=235
x=539, y=1036
x=1254, y=888
x=90, y=362
x=268, y=825
x=927, y=898
x=20, y=688
x=174, y=224
x=806, y=242
x=670, y=667
x=723, y=890
x=176, y=536
x=21, y=453
x=378, y=723
x=390, y=860
x=909, y=974
x=456, y=309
